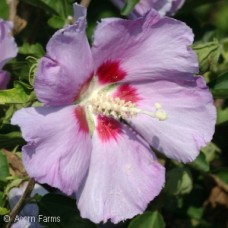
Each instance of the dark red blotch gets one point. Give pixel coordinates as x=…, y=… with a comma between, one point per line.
x=110, y=72
x=127, y=93
x=81, y=118
x=108, y=128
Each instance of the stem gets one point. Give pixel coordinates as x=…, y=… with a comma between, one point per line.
x=64, y=8
x=85, y=3
x=20, y=204
x=12, y=9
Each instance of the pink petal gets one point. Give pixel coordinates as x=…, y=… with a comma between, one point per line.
x=8, y=47
x=23, y=222
x=191, y=116
x=67, y=66
x=59, y=145
x=146, y=48
x=123, y=177
x=163, y=7
x=15, y=194
x=176, y=5
x=4, y=79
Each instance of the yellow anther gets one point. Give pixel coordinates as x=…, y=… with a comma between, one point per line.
x=102, y=103
x=157, y=105
x=161, y=114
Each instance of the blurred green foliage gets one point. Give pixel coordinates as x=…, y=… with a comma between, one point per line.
x=64, y=207
x=148, y=219
x=128, y=7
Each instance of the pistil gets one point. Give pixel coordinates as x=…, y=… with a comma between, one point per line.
x=107, y=105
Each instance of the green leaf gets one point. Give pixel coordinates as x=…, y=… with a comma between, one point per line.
x=200, y=163
x=4, y=168
x=195, y=212
x=32, y=49
x=225, y=49
x=128, y=7
x=222, y=174
x=178, y=181
x=2, y=201
x=148, y=220
x=219, y=87
x=60, y=7
x=7, y=114
x=191, y=5
x=12, y=184
x=208, y=54
x=221, y=18
x=220, y=93
x=10, y=140
x=4, y=211
x=18, y=95
x=64, y=207
x=4, y=9
x=222, y=82
x=43, y=5
x=210, y=151
x=56, y=22
x=222, y=115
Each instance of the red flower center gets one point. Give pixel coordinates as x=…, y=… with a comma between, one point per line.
x=110, y=72
x=108, y=128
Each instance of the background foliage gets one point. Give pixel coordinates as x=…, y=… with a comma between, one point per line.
x=196, y=194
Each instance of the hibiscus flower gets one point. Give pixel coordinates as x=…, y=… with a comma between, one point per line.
x=28, y=217
x=8, y=50
x=164, y=7
x=105, y=107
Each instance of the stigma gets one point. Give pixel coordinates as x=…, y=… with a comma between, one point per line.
x=159, y=112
